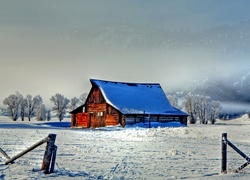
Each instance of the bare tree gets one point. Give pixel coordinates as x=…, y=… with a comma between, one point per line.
x=48, y=116
x=202, y=107
x=60, y=105
x=215, y=108
x=23, y=107
x=41, y=113
x=173, y=100
x=83, y=98
x=74, y=102
x=189, y=105
x=13, y=102
x=32, y=104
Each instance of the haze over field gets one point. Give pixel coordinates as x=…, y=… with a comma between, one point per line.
x=50, y=47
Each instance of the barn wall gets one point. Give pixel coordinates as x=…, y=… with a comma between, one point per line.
x=73, y=120
x=100, y=113
x=112, y=119
x=132, y=119
x=82, y=120
x=168, y=118
x=97, y=107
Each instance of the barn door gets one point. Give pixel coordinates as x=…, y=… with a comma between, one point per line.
x=90, y=119
x=73, y=120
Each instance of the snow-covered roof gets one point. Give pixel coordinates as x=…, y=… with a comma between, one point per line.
x=136, y=98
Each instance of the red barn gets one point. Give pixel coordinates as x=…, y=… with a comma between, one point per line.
x=112, y=103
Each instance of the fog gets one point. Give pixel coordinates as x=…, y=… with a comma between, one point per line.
x=50, y=47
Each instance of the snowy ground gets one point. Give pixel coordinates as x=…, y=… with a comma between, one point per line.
x=192, y=152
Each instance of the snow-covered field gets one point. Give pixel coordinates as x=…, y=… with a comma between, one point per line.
x=192, y=152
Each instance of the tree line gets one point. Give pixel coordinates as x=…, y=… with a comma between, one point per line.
x=200, y=108
x=28, y=106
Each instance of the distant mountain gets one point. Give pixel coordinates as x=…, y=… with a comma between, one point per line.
x=235, y=88
x=232, y=39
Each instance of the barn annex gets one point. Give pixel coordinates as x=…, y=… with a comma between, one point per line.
x=112, y=103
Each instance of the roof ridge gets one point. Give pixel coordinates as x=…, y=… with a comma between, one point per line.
x=122, y=82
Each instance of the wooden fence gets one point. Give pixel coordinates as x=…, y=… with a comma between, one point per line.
x=224, y=143
x=49, y=158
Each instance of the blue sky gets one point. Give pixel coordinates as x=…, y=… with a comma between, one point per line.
x=50, y=47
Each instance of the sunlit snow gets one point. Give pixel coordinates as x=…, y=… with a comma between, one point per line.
x=134, y=152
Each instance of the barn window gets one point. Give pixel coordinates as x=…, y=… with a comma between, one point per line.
x=109, y=110
x=99, y=113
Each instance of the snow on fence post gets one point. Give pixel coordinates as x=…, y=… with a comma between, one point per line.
x=224, y=153
x=48, y=154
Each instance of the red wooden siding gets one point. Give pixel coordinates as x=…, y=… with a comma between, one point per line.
x=97, y=107
x=82, y=119
x=112, y=119
x=97, y=113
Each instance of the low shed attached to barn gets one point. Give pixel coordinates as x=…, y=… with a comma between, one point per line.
x=112, y=103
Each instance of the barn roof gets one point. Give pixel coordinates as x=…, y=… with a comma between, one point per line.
x=136, y=98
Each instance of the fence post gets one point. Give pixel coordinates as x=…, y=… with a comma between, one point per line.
x=48, y=153
x=224, y=153
x=53, y=160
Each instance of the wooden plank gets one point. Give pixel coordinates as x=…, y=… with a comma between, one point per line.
x=27, y=150
x=112, y=119
x=82, y=119
x=4, y=153
x=242, y=167
x=238, y=150
x=97, y=107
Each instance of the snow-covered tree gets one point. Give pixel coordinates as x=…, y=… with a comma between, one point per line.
x=3, y=110
x=74, y=102
x=41, y=113
x=48, y=115
x=83, y=98
x=13, y=104
x=201, y=107
x=189, y=105
x=60, y=105
x=23, y=107
x=214, y=111
x=173, y=100
x=32, y=104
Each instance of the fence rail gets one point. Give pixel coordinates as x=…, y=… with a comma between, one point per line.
x=49, y=155
x=4, y=154
x=224, y=143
